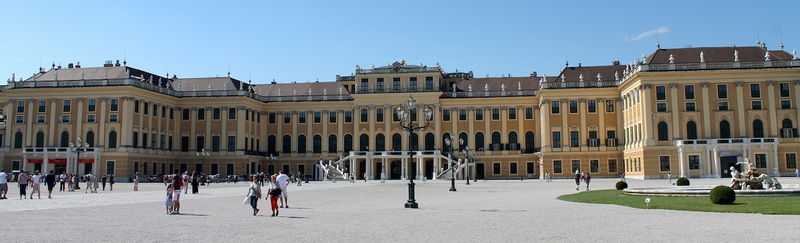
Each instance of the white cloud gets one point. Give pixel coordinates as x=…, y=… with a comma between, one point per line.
x=659, y=30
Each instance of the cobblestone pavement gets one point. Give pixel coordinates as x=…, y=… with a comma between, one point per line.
x=486, y=211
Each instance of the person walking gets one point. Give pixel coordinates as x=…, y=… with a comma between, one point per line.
x=88, y=179
x=22, y=183
x=168, y=203
x=283, y=182
x=69, y=183
x=797, y=172
x=95, y=183
x=3, y=184
x=195, y=183
x=587, y=178
x=136, y=181
x=36, y=181
x=577, y=178
x=669, y=178
x=186, y=182
x=50, y=181
x=274, y=194
x=62, y=180
x=254, y=193
x=111, y=182
x=622, y=176
x=105, y=179
x=177, y=183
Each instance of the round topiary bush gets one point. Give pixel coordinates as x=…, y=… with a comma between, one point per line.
x=621, y=185
x=722, y=195
x=682, y=181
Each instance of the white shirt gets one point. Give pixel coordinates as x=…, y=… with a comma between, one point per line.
x=283, y=180
x=3, y=177
x=36, y=179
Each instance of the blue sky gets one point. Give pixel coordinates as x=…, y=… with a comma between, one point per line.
x=304, y=40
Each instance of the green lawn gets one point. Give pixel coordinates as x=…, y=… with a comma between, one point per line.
x=764, y=205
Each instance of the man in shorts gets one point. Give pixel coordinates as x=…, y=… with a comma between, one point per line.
x=36, y=180
x=50, y=180
x=177, y=183
x=283, y=182
x=3, y=184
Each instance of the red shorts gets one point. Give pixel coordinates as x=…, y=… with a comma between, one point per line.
x=274, y=202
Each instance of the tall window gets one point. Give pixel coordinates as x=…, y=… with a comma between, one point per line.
x=791, y=161
x=21, y=106
x=479, y=144
x=496, y=141
x=574, y=139
x=758, y=129
x=380, y=142
x=612, y=165
x=609, y=106
x=332, y=148
x=396, y=84
x=722, y=91
x=18, y=140
x=694, y=162
x=39, y=139
x=528, y=113
x=114, y=104
x=348, y=116
x=479, y=114
x=663, y=131
x=42, y=105
x=573, y=106
x=64, y=139
x=413, y=83
x=724, y=129
x=287, y=118
x=364, y=84
x=495, y=114
x=185, y=114
x=512, y=113
x=379, y=115
x=301, y=144
x=364, y=115
x=428, y=83
x=445, y=115
x=691, y=130
x=271, y=141
x=379, y=86
x=592, y=106
x=332, y=117
x=348, y=143
x=755, y=91
x=201, y=114
x=215, y=143
x=301, y=117
x=557, y=166
x=287, y=144
x=215, y=114
x=112, y=139
x=317, y=144
x=363, y=141
x=317, y=117
x=688, y=92
x=661, y=92
x=576, y=166
x=784, y=92
x=594, y=166
x=555, y=107
x=761, y=160
x=68, y=106
x=90, y=139
x=556, y=139
x=462, y=114
x=664, y=163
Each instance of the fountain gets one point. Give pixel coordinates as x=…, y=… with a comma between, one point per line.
x=751, y=179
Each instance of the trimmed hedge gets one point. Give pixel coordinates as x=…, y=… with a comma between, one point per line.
x=722, y=195
x=682, y=181
x=621, y=185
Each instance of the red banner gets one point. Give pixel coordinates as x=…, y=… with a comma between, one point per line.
x=58, y=161
x=86, y=161
x=35, y=161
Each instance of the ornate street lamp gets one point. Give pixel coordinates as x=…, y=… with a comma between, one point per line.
x=202, y=155
x=403, y=112
x=77, y=147
x=449, y=144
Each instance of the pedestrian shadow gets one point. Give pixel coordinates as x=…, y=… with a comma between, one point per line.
x=191, y=214
x=292, y=217
x=298, y=208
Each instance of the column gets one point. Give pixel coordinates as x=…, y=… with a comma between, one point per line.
x=324, y=116
x=51, y=135
x=209, y=138
x=564, y=111
x=715, y=153
x=706, y=110
x=544, y=127
x=295, y=120
x=601, y=119
x=240, y=125
x=223, y=133
x=10, y=111
x=582, y=111
x=773, y=115
x=646, y=103
x=278, y=134
x=775, y=167
x=357, y=128
x=471, y=127
x=681, y=162
x=126, y=122
x=740, y=111
x=437, y=117
x=101, y=137
x=676, y=127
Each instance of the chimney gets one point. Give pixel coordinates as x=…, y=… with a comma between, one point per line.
x=615, y=62
x=70, y=65
x=117, y=63
x=108, y=64
x=534, y=74
x=78, y=65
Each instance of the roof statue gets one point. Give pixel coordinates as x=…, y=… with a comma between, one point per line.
x=486, y=87
x=279, y=91
x=209, y=86
x=250, y=88
x=127, y=73
x=503, y=87
x=294, y=92
x=671, y=59
x=454, y=88
x=469, y=88
x=794, y=54
x=563, y=78
x=325, y=91
x=340, y=90
x=735, y=55
x=702, y=57
x=82, y=74
x=438, y=66
x=541, y=82
x=402, y=61
x=169, y=84
x=194, y=87
x=616, y=75
x=241, y=86
x=309, y=91
x=766, y=56
x=150, y=80
x=358, y=67
x=519, y=85
x=580, y=77
x=599, y=78
x=159, y=81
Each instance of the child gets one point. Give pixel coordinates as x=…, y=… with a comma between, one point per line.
x=274, y=193
x=168, y=203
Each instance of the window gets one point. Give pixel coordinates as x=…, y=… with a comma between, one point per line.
x=755, y=91
x=661, y=92
x=396, y=84
x=479, y=143
x=286, y=144
x=495, y=114
x=784, y=89
x=317, y=117
x=462, y=114
x=664, y=163
x=232, y=143
x=135, y=139
x=612, y=165
x=690, y=106
x=428, y=83
x=722, y=105
x=112, y=139
x=185, y=114
x=761, y=160
x=755, y=105
x=184, y=144
x=556, y=139
x=413, y=83
x=512, y=113
x=379, y=85
x=724, y=129
x=496, y=168
x=694, y=162
x=18, y=140
x=786, y=104
x=555, y=107
x=155, y=110
x=688, y=92
x=316, y=142
x=68, y=106
x=758, y=129
x=722, y=91
x=215, y=114
x=65, y=118
x=609, y=106
x=136, y=106
x=114, y=105
x=19, y=119
x=364, y=84
x=271, y=118
x=364, y=115
x=379, y=115
x=512, y=168
x=301, y=117
x=557, y=166
x=163, y=111
x=113, y=118
x=479, y=114
x=529, y=113
x=661, y=107
x=332, y=117
x=446, y=115
x=691, y=130
x=201, y=114
x=215, y=143
x=21, y=106
x=90, y=118
x=146, y=108
x=414, y=114
x=592, y=106
x=42, y=106
x=171, y=114
x=574, y=139
x=791, y=161
x=663, y=131
x=40, y=119
x=232, y=114
x=573, y=106
x=594, y=166
x=287, y=118
x=348, y=116
x=576, y=166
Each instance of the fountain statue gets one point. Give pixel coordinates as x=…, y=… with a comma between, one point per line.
x=751, y=179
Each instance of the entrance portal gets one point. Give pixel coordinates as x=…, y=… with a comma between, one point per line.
x=480, y=171
x=362, y=166
x=726, y=163
x=395, y=170
x=429, y=169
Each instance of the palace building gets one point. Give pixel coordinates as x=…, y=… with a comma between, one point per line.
x=692, y=112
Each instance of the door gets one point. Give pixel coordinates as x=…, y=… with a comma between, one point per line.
x=726, y=163
x=362, y=167
x=395, y=170
x=480, y=171
x=429, y=169
x=378, y=169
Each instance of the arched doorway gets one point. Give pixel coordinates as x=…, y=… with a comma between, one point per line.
x=395, y=170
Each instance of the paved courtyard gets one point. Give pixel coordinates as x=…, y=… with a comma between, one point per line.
x=486, y=211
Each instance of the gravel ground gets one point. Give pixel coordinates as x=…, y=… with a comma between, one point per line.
x=486, y=211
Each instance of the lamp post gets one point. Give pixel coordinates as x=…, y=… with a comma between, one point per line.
x=403, y=113
x=449, y=144
x=202, y=155
x=77, y=147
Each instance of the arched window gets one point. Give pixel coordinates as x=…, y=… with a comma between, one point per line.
x=445, y=137
x=39, y=139
x=90, y=138
x=479, y=145
x=18, y=140
x=271, y=144
x=380, y=142
x=348, y=143
x=691, y=130
x=512, y=137
x=332, y=148
x=430, y=141
x=788, y=130
x=529, y=142
x=301, y=144
x=287, y=144
x=64, y=139
x=397, y=142
x=724, y=129
x=317, y=144
x=786, y=123
x=363, y=142
x=413, y=142
x=112, y=139
x=463, y=140
x=496, y=141
x=663, y=131
x=758, y=129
